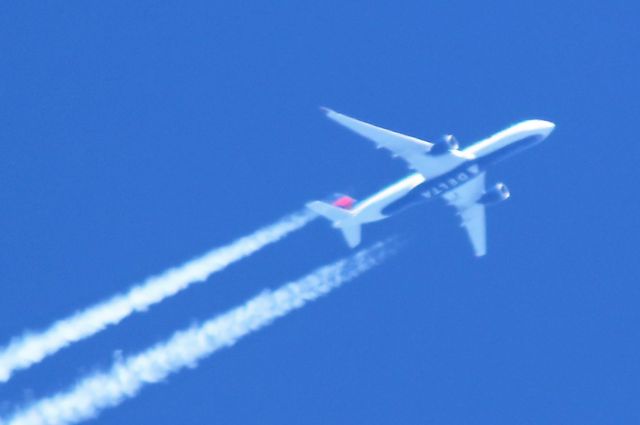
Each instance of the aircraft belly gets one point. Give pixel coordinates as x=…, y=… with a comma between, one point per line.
x=370, y=209
x=441, y=185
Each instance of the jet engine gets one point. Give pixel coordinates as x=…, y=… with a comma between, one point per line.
x=447, y=143
x=496, y=194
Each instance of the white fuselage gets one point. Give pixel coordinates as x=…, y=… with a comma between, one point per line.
x=456, y=168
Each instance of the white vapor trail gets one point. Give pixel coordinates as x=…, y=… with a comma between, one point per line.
x=31, y=348
x=127, y=377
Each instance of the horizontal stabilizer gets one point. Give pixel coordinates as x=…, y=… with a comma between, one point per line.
x=330, y=212
x=352, y=234
x=341, y=218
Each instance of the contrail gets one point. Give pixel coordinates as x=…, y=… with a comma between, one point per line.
x=31, y=348
x=127, y=377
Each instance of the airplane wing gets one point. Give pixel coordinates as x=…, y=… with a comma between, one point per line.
x=471, y=212
x=414, y=151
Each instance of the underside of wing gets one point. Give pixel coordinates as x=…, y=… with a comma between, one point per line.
x=414, y=151
x=471, y=212
x=398, y=144
x=474, y=222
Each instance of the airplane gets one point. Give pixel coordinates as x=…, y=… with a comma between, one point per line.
x=443, y=170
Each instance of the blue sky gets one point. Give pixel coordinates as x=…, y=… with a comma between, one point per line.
x=136, y=135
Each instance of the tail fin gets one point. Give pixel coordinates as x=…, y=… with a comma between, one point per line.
x=341, y=218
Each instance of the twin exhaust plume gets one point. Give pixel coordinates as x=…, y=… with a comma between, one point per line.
x=31, y=348
x=127, y=377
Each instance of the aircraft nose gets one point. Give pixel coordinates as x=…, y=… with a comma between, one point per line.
x=545, y=127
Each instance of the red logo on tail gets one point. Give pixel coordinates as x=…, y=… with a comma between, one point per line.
x=344, y=202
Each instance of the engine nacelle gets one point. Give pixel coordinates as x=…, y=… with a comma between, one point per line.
x=496, y=194
x=444, y=145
